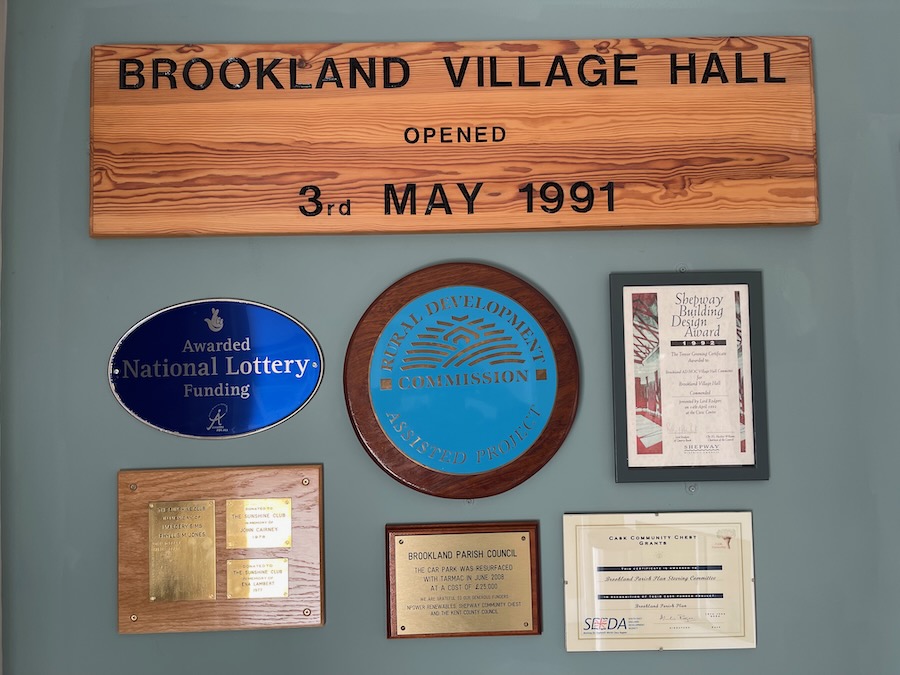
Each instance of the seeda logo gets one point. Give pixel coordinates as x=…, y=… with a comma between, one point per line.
x=463, y=380
x=602, y=624
x=215, y=368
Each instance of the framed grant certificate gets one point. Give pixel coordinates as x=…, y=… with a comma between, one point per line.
x=655, y=581
x=688, y=376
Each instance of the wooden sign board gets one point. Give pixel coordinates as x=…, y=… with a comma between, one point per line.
x=452, y=136
x=220, y=549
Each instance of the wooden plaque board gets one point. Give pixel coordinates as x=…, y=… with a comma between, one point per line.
x=463, y=579
x=451, y=136
x=166, y=495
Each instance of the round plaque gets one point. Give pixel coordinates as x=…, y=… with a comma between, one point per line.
x=461, y=380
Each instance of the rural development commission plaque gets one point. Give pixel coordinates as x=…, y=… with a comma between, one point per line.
x=461, y=380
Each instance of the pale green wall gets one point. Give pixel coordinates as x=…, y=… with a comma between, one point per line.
x=826, y=542
x=2, y=69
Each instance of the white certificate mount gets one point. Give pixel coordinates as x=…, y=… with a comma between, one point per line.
x=656, y=581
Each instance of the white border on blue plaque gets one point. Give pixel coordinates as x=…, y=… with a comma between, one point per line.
x=216, y=368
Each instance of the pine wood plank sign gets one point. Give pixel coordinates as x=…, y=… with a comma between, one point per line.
x=452, y=136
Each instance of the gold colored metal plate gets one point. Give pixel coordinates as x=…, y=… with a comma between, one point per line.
x=463, y=583
x=182, y=540
x=203, y=571
x=261, y=578
x=258, y=523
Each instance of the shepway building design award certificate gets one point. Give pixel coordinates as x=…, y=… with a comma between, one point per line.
x=687, y=373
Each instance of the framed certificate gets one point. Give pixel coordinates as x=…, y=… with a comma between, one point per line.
x=688, y=376
x=655, y=581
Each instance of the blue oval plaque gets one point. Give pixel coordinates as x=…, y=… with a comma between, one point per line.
x=216, y=368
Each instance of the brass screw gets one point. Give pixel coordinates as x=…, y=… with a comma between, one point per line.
x=132, y=487
x=134, y=617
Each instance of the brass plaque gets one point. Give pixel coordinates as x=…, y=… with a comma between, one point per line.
x=258, y=523
x=261, y=578
x=195, y=565
x=182, y=550
x=457, y=584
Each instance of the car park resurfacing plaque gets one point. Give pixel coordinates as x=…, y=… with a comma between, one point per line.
x=454, y=580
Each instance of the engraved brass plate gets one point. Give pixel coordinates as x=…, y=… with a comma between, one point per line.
x=182, y=550
x=261, y=578
x=258, y=523
x=463, y=583
x=154, y=557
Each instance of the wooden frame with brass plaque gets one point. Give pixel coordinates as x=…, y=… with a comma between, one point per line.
x=220, y=549
x=461, y=380
x=463, y=579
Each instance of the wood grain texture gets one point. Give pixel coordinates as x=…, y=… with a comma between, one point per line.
x=305, y=604
x=221, y=161
x=364, y=417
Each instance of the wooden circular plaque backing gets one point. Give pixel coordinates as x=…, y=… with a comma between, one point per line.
x=362, y=412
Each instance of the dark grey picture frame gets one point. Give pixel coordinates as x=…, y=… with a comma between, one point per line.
x=618, y=282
